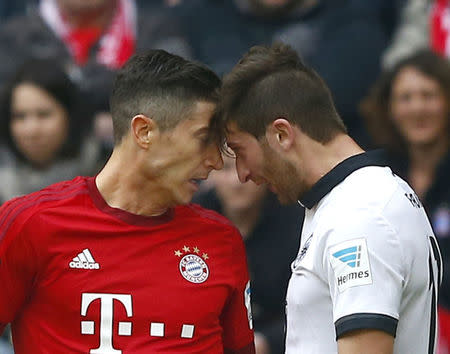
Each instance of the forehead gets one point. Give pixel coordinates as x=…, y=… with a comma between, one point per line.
x=199, y=116
x=29, y=94
x=235, y=136
x=410, y=77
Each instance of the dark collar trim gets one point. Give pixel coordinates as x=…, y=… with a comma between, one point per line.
x=123, y=215
x=324, y=185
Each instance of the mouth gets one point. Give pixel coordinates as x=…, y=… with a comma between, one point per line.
x=272, y=188
x=197, y=181
x=258, y=181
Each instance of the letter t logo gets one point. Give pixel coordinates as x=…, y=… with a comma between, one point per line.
x=106, y=320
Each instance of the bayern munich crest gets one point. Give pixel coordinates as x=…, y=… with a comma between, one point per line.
x=193, y=267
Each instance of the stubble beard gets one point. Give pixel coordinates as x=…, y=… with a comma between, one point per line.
x=285, y=179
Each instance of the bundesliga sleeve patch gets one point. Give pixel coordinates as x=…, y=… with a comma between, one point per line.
x=247, y=301
x=350, y=263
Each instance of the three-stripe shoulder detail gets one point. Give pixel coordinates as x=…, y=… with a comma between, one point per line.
x=12, y=209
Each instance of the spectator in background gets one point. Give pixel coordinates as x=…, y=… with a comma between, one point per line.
x=271, y=233
x=424, y=24
x=412, y=33
x=92, y=38
x=342, y=40
x=43, y=126
x=408, y=113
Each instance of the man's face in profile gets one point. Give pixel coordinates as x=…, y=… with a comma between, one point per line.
x=256, y=161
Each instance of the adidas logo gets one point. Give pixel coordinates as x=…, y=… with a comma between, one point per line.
x=84, y=260
x=350, y=256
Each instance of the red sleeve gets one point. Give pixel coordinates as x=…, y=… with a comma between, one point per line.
x=16, y=261
x=237, y=318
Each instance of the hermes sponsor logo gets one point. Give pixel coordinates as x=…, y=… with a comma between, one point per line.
x=350, y=263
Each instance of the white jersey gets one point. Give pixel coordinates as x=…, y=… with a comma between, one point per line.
x=368, y=260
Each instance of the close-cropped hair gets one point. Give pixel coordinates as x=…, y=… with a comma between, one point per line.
x=47, y=75
x=161, y=86
x=375, y=108
x=273, y=82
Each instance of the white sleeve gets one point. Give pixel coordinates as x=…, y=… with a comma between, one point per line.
x=365, y=269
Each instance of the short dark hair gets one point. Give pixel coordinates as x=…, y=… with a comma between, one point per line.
x=48, y=75
x=375, y=108
x=162, y=86
x=273, y=82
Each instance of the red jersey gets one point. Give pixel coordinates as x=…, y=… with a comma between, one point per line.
x=78, y=276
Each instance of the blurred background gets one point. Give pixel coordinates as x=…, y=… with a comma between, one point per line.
x=385, y=61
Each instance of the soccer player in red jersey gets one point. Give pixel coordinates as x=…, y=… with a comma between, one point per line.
x=120, y=262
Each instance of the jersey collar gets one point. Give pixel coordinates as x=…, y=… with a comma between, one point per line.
x=324, y=185
x=125, y=216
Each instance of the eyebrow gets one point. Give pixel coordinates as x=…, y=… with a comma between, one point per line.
x=202, y=130
x=232, y=145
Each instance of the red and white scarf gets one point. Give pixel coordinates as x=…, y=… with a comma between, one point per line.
x=440, y=27
x=116, y=44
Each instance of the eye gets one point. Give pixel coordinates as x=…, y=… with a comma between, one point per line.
x=17, y=116
x=44, y=113
x=429, y=94
x=204, y=139
x=404, y=97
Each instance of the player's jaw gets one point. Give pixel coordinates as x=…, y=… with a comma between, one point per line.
x=192, y=184
x=281, y=178
x=195, y=182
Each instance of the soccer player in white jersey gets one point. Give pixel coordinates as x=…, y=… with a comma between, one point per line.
x=368, y=269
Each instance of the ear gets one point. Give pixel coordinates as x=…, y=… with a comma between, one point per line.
x=143, y=130
x=280, y=134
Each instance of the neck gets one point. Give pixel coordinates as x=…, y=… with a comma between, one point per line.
x=245, y=220
x=423, y=161
x=427, y=156
x=319, y=159
x=100, y=17
x=122, y=186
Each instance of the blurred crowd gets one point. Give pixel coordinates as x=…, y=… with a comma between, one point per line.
x=385, y=61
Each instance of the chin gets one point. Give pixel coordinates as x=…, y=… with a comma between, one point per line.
x=422, y=141
x=185, y=199
x=285, y=200
x=183, y=202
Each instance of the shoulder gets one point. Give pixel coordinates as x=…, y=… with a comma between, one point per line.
x=370, y=188
x=370, y=198
x=23, y=25
x=374, y=204
x=15, y=213
x=205, y=216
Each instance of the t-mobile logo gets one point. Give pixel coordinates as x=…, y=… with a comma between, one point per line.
x=106, y=320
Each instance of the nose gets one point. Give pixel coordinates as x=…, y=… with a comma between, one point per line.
x=417, y=103
x=214, y=158
x=242, y=171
